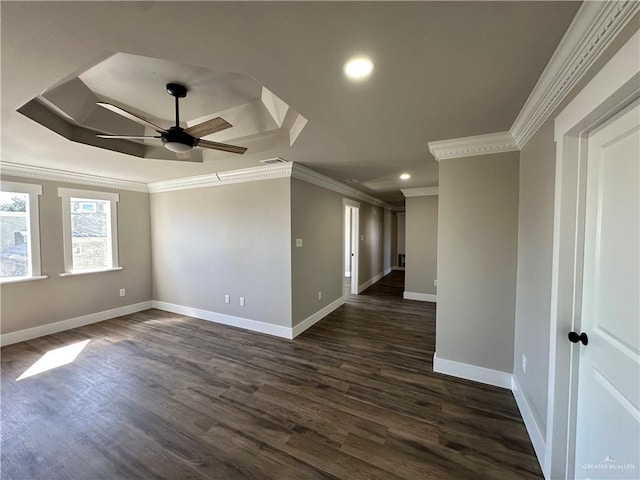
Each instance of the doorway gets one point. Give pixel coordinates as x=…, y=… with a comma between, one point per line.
x=593, y=415
x=351, y=223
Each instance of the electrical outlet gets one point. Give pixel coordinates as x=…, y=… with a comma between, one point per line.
x=524, y=363
x=227, y=299
x=319, y=295
x=242, y=301
x=123, y=292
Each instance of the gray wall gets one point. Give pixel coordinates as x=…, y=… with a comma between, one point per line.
x=41, y=302
x=371, y=253
x=230, y=239
x=477, y=254
x=421, y=236
x=535, y=243
x=388, y=240
x=394, y=239
x=316, y=217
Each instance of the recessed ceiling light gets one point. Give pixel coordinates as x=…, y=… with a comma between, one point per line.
x=358, y=68
x=405, y=176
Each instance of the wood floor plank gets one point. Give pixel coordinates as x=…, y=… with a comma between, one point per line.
x=161, y=395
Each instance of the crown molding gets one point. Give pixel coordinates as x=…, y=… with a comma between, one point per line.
x=311, y=176
x=267, y=172
x=253, y=174
x=63, y=176
x=420, y=192
x=593, y=28
x=471, y=146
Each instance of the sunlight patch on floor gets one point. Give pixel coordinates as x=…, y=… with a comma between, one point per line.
x=54, y=359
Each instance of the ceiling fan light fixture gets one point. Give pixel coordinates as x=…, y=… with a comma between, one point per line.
x=177, y=147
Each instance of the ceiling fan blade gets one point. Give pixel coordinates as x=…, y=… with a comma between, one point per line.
x=219, y=146
x=130, y=116
x=130, y=137
x=183, y=155
x=208, y=127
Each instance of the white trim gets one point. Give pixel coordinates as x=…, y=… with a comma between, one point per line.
x=316, y=317
x=347, y=202
x=6, y=280
x=253, y=174
x=246, y=323
x=33, y=213
x=41, y=331
x=87, y=272
x=423, y=297
x=395, y=267
x=420, y=192
x=89, y=194
x=311, y=176
x=373, y=280
x=472, y=146
x=535, y=434
x=472, y=372
x=593, y=28
x=50, y=174
x=19, y=187
x=620, y=74
x=616, y=83
x=66, y=194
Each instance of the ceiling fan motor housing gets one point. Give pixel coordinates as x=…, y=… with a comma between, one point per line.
x=176, y=90
x=178, y=135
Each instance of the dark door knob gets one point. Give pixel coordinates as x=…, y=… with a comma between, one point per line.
x=575, y=338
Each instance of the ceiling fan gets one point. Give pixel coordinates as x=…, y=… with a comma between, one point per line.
x=177, y=139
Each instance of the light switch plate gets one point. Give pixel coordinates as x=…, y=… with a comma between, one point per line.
x=298, y=242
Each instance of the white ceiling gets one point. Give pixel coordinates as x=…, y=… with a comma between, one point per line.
x=442, y=70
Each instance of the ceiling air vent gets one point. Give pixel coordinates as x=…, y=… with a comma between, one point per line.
x=271, y=161
x=351, y=180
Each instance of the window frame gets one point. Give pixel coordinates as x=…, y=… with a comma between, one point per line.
x=66, y=194
x=34, y=191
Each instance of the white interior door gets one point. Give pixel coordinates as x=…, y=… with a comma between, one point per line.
x=355, y=250
x=608, y=415
x=347, y=242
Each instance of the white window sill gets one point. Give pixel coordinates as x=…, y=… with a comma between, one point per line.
x=87, y=272
x=22, y=279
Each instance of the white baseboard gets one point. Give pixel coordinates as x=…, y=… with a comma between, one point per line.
x=246, y=323
x=537, y=439
x=41, y=331
x=423, y=297
x=316, y=317
x=472, y=372
x=397, y=268
x=363, y=286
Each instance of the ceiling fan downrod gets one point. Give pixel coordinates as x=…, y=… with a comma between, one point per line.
x=177, y=91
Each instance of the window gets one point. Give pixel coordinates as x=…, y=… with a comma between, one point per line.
x=90, y=233
x=19, y=231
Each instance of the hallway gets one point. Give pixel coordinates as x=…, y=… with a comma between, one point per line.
x=158, y=395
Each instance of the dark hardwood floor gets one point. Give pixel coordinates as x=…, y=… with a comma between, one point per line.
x=159, y=395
